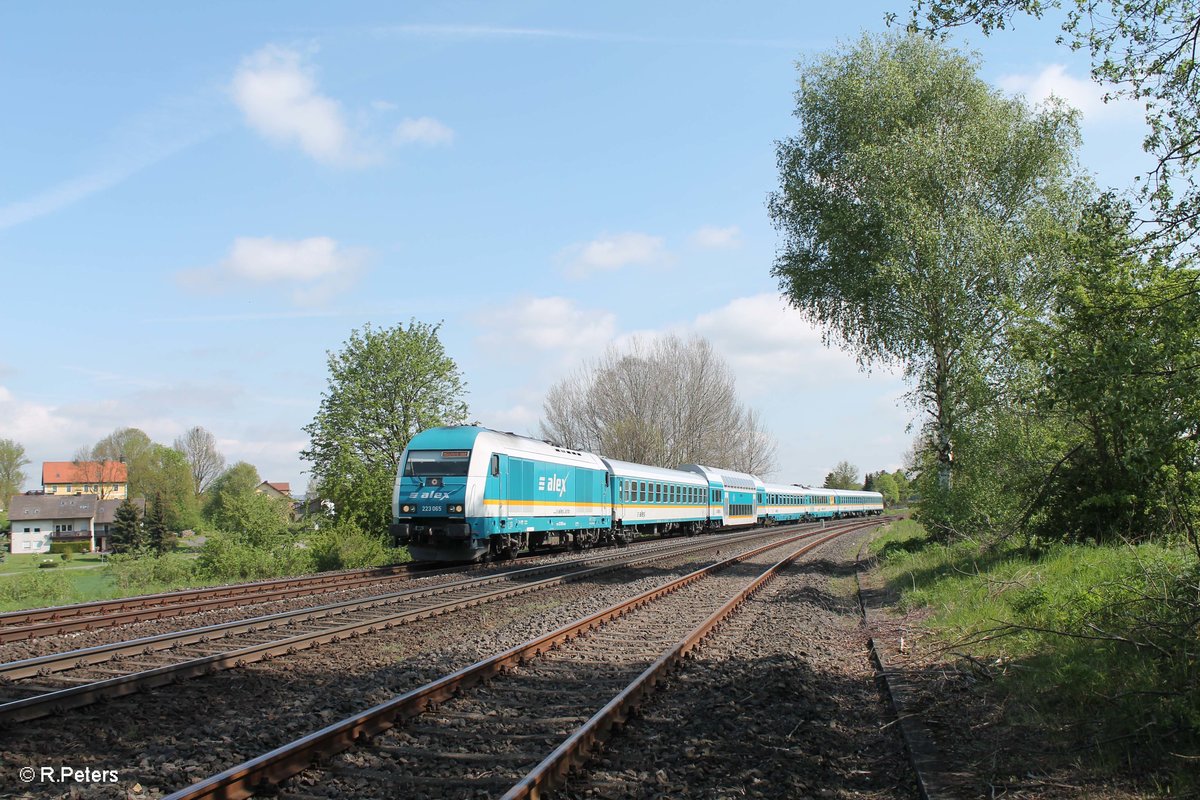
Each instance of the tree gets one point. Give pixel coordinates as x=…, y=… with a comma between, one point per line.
x=1141, y=51
x=885, y=484
x=665, y=402
x=127, y=534
x=156, y=526
x=12, y=477
x=135, y=449
x=1122, y=371
x=199, y=447
x=756, y=450
x=385, y=385
x=169, y=478
x=902, y=485
x=844, y=476
x=919, y=208
x=237, y=481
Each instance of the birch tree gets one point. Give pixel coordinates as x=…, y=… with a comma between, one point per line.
x=919, y=208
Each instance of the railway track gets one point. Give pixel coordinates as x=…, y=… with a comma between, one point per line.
x=38, y=622
x=27, y=624
x=514, y=724
x=43, y=685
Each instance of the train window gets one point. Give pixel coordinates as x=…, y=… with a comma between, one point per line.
x=642, y=491
x=658, y=492
x=495, y=467
x=437, y=463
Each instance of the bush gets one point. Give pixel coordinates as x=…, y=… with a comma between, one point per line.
x=68, y=547
x=343, y=545
x=144, y=572
x=228, y=557
x=36, y=588
x=48, y=565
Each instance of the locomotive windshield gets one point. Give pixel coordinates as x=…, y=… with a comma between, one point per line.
x=437, y=463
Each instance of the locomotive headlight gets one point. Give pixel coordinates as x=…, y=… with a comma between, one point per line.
x=456, y=509
x=406, y=509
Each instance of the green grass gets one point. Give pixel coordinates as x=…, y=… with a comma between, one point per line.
x=1099, y=638
x=87, y=576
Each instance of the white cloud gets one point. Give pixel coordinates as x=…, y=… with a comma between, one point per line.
x=710, y=237
x=51, y=432
x=553, y=325
x=1082, y=93
x=423, y=130
x=276, y=91
x=267, y=259
x=764, y=340
x=814, y=399
x=612, y=252
x=317, y=267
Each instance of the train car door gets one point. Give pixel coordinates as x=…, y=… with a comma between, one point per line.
x=498, y=473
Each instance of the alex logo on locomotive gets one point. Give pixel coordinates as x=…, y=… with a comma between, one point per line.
x=552, y=484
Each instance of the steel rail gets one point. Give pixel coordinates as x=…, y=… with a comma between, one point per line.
x=58, y=700
x=283, y=762
x=576, y=748
x=51, y=620
x=11, y=619
x=98, y=654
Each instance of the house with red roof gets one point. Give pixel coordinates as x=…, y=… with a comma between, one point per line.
x=275, y=489
x=107, y=480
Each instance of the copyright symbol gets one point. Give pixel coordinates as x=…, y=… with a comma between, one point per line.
x=28, y=774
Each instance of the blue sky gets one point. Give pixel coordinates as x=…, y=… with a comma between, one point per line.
x=198, y=201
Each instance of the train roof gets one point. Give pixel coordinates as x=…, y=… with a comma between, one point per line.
x=726, y=477
x=629, y=469
x=472, y=437
x=781, y=488
x=855, y=493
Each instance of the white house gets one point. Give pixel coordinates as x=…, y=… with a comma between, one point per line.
x=39, y=519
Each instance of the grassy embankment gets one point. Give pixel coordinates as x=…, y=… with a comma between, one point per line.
x=24, y=583
x=1095, y=645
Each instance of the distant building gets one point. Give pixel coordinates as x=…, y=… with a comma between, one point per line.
x=107, y=480
x=270, y=489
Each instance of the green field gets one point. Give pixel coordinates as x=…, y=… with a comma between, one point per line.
x=24, y=583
